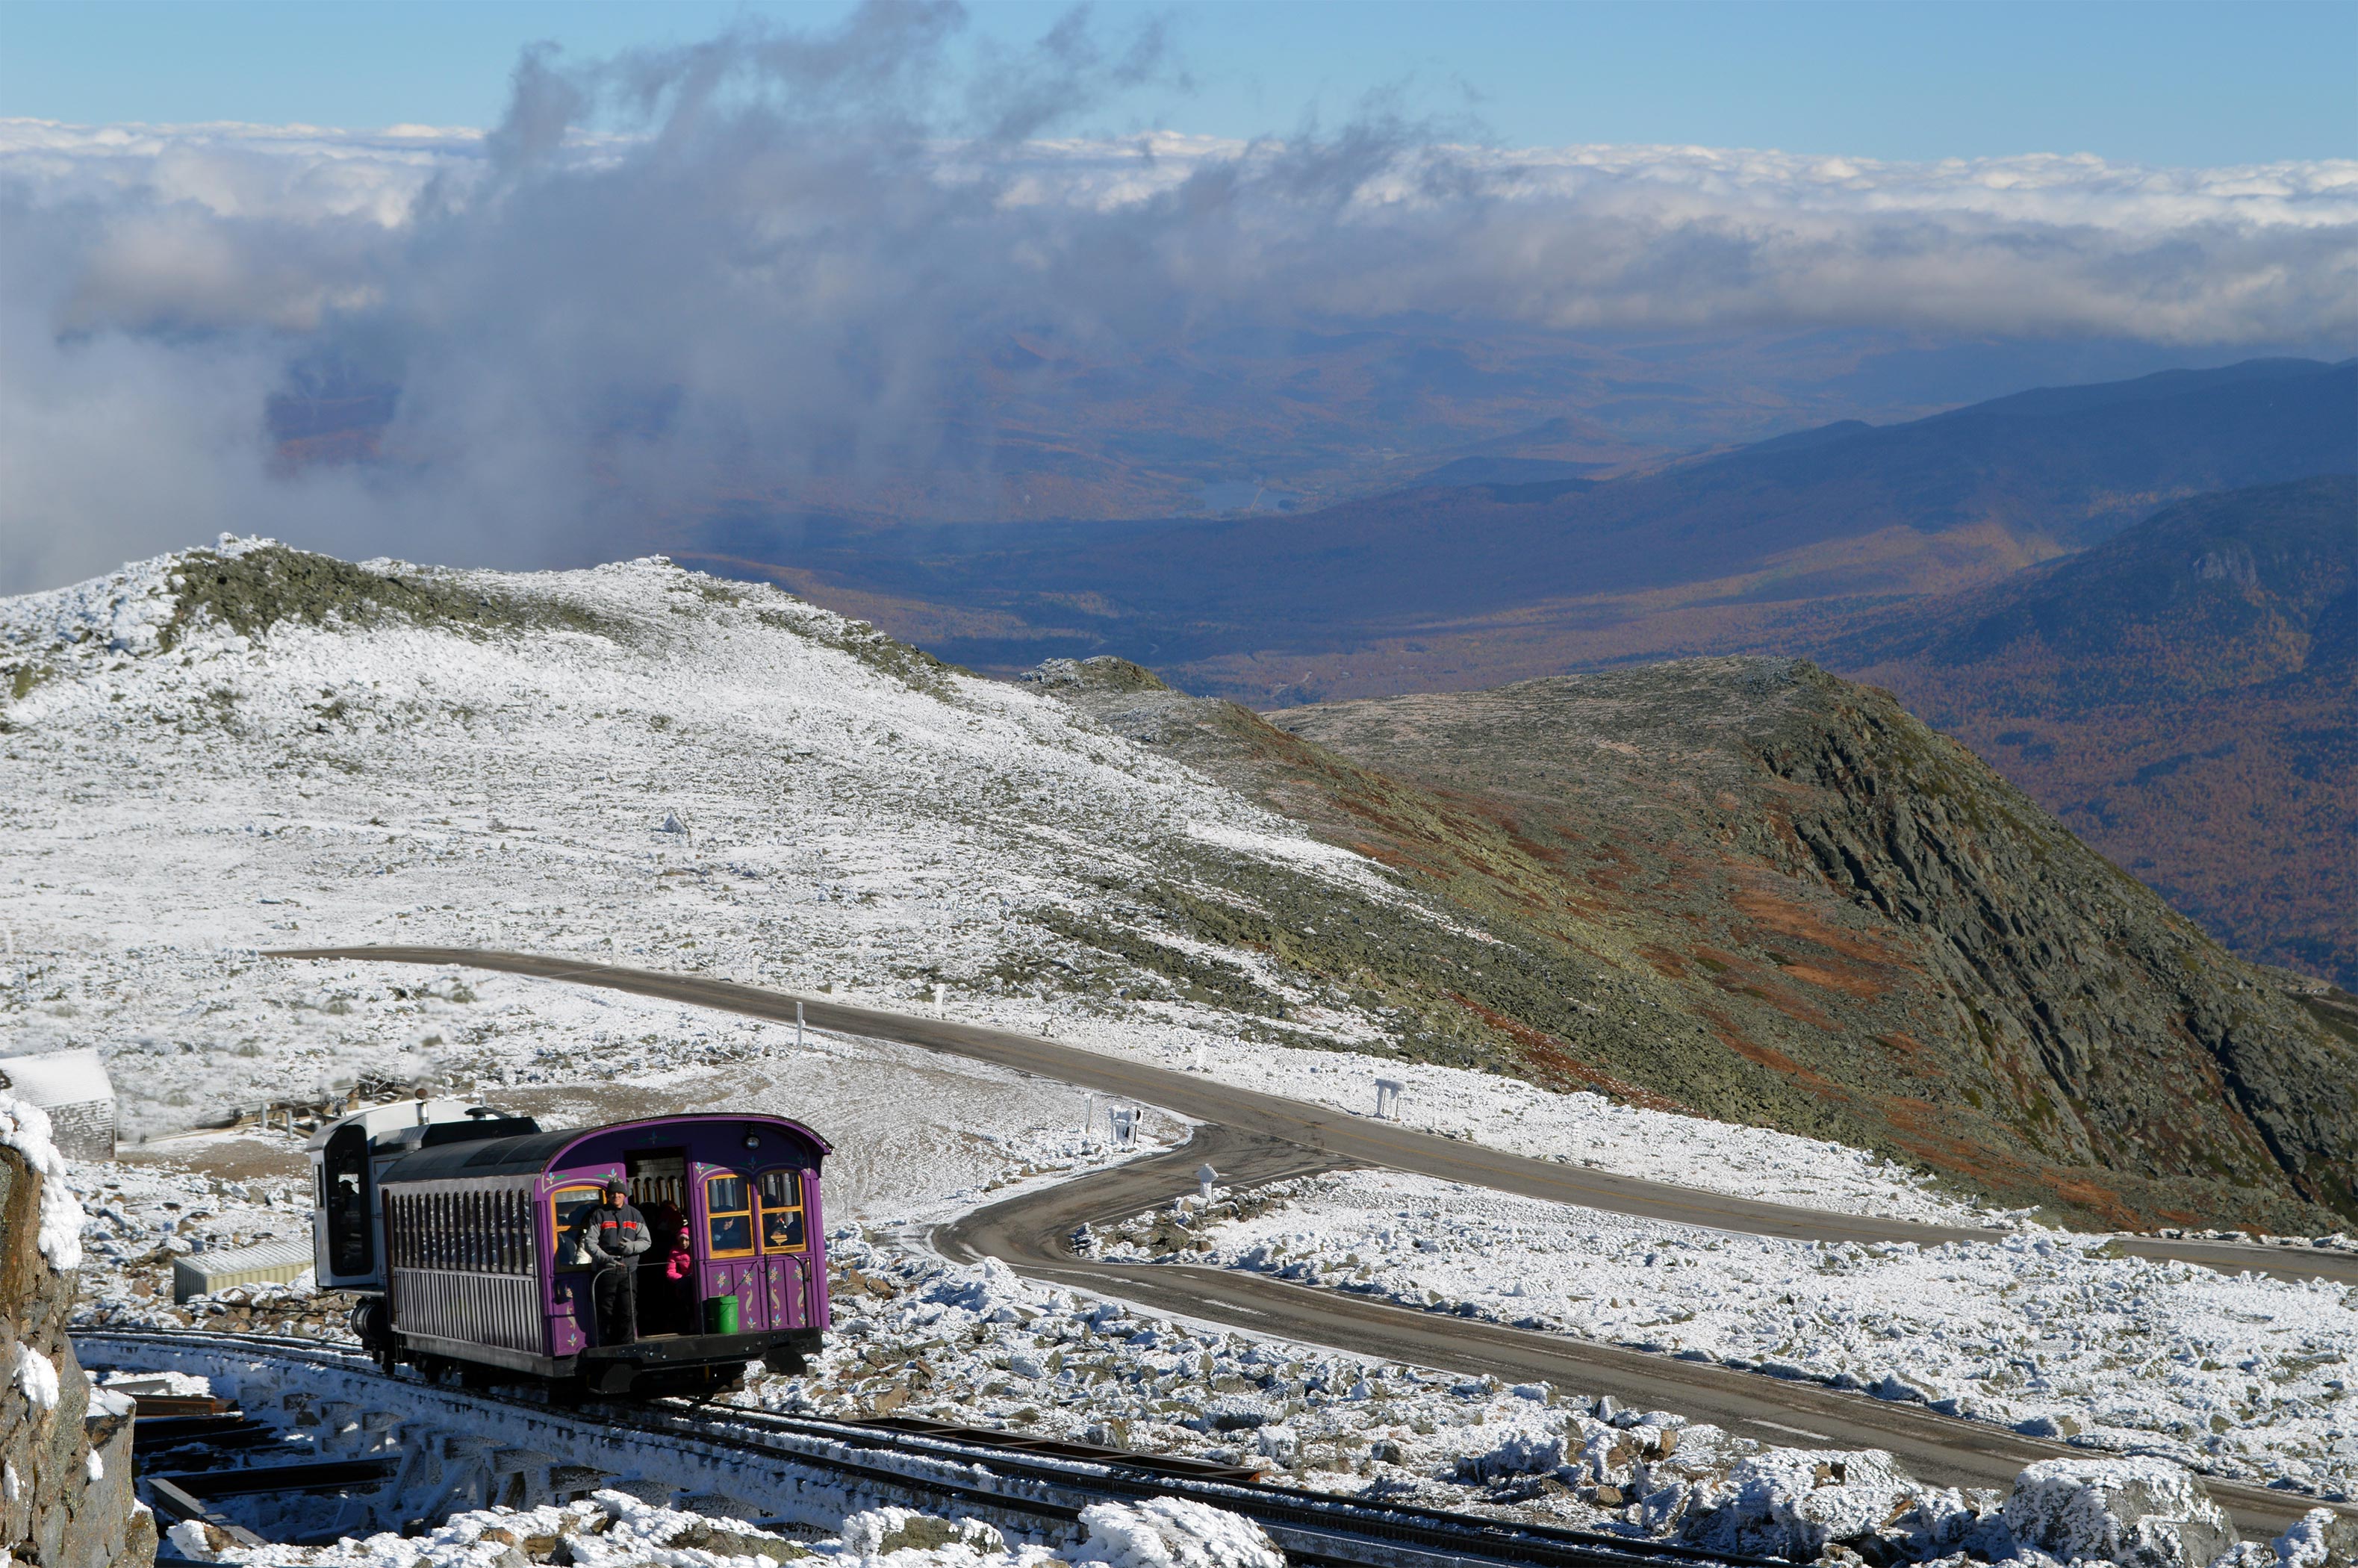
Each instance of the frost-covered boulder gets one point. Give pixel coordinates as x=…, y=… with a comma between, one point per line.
x=2322, y=1539
x=991, y=1291
x=879, y=1533
x=1528, y=1452
x=1236, y=1412
x=1795, y=1502
x=2141, y=1513
x=1171, y=1532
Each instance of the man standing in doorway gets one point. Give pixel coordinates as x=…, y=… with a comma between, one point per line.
x=614, y=1235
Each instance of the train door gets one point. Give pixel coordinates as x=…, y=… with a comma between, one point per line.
x=343, y=1202
x=667, y=1303
x=785, y=1248
x=732, y=1263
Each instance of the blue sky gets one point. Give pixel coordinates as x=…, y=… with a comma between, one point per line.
x=2153, y=83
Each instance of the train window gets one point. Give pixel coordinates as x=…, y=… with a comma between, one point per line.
x=566, y=1207
x=728, y=1217
x=344, y=1176
x=781, y=1211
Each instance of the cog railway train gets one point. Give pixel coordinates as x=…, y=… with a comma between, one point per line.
x=455, y=1225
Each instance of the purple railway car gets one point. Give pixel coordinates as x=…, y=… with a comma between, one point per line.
x=453, y=1222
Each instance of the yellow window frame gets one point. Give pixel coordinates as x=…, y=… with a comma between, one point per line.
x=558, y=1226
x=753, y=1233
x=795, y=1175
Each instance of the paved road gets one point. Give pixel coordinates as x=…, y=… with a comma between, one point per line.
x=1344, y=1139
x=1030, y=1233
x=1252, y=1138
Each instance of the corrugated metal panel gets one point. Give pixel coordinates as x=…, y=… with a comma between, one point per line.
x=481, y=1309
x=264, y=1263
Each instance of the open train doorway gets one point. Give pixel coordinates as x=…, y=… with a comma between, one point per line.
x=666, y=1282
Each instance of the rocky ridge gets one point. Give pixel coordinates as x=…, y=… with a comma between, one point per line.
x=1833, y=920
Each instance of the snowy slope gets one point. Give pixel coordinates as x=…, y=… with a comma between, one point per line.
x=2242, y=1377
x=640, y=764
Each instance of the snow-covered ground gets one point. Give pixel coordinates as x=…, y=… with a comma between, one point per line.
x=659, y=768
x=615, y=1530
x=2244, y=1376
x=663, y=769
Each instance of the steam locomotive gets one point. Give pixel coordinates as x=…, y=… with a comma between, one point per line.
x=453, y=1222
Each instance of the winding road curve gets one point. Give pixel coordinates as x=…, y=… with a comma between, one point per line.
x=1253, y=1138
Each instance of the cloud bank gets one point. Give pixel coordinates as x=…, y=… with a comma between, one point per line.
x=781, y=260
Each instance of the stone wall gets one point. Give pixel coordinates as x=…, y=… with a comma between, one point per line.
x=65, y=1468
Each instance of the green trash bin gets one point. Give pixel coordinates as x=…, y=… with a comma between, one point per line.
x=721, y=1315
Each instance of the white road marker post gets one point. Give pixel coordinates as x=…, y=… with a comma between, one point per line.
x=1204, y=1177
x=1088, y=1118
x=798, y=1026
x=1387, y=1098
x=938, y=989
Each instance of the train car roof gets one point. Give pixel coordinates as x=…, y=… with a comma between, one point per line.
x=531, y=1153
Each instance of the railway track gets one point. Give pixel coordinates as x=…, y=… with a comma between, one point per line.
x=966, y=1470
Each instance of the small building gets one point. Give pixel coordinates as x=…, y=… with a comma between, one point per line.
x=74, y=1088
x=264, y=1263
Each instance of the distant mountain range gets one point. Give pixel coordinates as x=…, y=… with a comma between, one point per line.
x=2184, y=696
x=2133, y=598
x=1458, y=584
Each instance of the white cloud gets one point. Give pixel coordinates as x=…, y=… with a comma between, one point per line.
x=772, y=256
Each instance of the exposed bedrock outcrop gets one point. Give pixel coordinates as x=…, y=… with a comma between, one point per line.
x=65, y=1464
x=1746, y=888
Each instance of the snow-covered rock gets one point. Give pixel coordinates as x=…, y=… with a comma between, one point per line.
x=876, y=1533
x=1794, y=1502
x=1171, y=1532
x=25, y=1127
x=1520, y=1453
x=2320, y=1538
x=2137, y=1512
